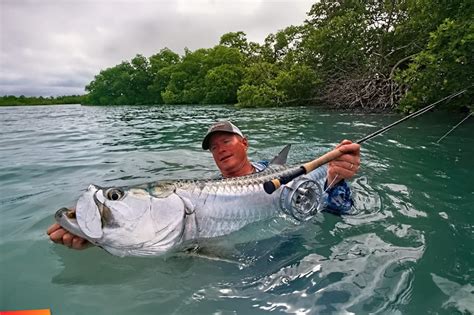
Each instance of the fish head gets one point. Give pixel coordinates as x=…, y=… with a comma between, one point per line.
x=126, y=221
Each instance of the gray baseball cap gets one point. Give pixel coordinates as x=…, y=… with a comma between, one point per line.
x=220, y=126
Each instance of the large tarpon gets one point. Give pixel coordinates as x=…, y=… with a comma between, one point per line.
x=154, y=218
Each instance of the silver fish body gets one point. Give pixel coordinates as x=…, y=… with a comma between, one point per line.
x=154, y=218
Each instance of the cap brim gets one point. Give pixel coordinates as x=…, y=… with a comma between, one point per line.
x=205, y=142
x=207, y=138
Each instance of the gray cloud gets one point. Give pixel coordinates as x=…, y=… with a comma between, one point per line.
x=55, y=47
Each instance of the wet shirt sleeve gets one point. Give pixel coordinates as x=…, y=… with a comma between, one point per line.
x=339, y=198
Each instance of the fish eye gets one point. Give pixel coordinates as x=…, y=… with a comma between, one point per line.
x=113, y=194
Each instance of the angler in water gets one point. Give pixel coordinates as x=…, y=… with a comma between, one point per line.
x=195, y=209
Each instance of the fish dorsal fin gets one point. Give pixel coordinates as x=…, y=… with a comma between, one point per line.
x=281, y=158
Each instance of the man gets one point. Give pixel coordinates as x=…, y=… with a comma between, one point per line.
x=229, y=148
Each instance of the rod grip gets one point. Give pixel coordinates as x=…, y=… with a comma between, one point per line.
x=328, y=157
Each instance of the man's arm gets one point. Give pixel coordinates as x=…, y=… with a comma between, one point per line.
x=339, y=199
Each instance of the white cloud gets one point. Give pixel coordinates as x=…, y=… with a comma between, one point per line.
x=55, y=47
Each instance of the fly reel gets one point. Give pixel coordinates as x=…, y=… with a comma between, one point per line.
x=301, y=199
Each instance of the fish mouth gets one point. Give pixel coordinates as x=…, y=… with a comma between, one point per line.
x=66, y=218
x=65, y=214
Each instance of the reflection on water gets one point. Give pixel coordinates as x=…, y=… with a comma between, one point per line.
x=460, y=297
x=407, y=249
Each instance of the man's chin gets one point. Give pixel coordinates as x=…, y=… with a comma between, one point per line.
x=227, y=168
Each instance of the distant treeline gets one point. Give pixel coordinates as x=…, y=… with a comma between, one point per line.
x=10, y=100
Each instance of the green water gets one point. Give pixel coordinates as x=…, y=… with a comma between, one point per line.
x=408, y=250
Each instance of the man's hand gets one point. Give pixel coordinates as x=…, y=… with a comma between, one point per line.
x=60, y=236
x=347, y=165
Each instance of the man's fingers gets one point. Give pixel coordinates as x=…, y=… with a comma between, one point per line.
x=53, y=228
x=352, y=148
x=347, y=165
x=351, y=166
x=343, y=142
x=79, y=243
x=67, y=239
x=345, y=161
x=57, y=235
x=343, y=172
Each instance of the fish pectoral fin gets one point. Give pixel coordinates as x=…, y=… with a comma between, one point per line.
x=188, y=205
x=215, y=258
x=217, y=251
x=214, y=254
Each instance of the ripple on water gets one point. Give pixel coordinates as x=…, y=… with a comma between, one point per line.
x=399, y=195
x=363, y=274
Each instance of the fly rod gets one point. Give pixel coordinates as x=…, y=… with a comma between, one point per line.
x=272, y=185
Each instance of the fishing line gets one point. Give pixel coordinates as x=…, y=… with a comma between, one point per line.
x=447, y=133
x=412, y=115
x=330, y=185
x=272, y=185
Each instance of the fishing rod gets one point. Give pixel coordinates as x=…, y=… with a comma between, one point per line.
x=447, y=133
x=272, y=185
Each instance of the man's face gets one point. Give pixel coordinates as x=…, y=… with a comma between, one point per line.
x=229, y=151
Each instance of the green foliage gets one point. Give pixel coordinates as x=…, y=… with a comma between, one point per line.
x=110, y=86
x=260, y=73
x=184, y=86
x=267, y=85
x=259, y=86
x=209, y=76
x=221, y=55
x=11, y=100
x=259, y=96
x=237, y=40
x=222, y=83
x=161, y=69
x=443, y=68
x=298, y=85
x=338, y=45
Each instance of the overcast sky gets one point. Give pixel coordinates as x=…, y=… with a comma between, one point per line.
x=55, y=47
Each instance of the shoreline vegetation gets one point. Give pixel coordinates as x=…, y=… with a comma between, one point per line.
x=10, y=100
x=349, y=55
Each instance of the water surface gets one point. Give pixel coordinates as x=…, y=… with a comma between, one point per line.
x=407, y=250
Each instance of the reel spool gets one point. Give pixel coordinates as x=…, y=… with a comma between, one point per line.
x=301, y=199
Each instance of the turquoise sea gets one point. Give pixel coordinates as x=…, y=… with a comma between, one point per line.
x=407, y=250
